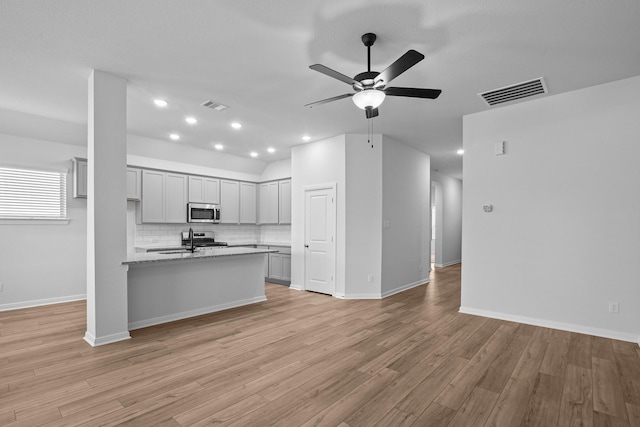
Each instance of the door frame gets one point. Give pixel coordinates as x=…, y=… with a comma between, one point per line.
x=331, y=186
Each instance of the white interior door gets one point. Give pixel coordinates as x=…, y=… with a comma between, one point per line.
x=320, y=220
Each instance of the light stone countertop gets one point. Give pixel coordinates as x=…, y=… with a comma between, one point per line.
x=165, y=246
x=155, y=257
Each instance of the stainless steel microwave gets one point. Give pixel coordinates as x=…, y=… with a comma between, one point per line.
x=202, y=212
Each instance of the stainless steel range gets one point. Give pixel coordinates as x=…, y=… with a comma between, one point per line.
x=201, y=239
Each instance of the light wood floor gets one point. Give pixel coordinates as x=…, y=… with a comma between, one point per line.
x=308, y=359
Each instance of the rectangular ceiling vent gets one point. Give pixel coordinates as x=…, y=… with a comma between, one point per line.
x=514, y=92
x=214, y=105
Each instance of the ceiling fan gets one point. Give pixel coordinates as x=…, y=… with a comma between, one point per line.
x=371, y=86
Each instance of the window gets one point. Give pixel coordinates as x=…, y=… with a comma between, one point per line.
x=32, y=194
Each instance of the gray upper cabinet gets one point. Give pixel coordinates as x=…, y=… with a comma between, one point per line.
x=268, y=206
x=204, y=190
x=284, y=201
x=248, y=199
x=176, y=198
x=229, y=202
x=134, y=184
x=164, y=197
x=80, y=171
x=80, y=180
x=153, y=197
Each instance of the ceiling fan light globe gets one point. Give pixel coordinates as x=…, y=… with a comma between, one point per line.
x=368, y=98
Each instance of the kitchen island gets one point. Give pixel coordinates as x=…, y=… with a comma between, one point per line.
x=172, y=286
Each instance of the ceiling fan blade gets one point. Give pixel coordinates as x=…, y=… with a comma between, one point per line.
x=371, y=112
x=413, y=92
x=402, y=64
x=324, y=101
x=336, y=75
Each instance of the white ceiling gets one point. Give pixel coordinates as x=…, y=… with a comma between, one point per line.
x=253, y=55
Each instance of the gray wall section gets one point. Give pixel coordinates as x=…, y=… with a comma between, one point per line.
x=564, y=236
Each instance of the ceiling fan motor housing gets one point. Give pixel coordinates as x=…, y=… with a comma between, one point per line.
x=366, y=79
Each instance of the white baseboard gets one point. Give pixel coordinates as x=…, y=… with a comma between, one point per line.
x=570, y=327
x=296, y=287
x=39, y=302
x=359, y=296
x=447, y=264
x=404, y=288
x=95, y=342
x=192, y=313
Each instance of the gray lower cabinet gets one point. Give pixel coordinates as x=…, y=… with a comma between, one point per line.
x=266, y=261
x=279, y=265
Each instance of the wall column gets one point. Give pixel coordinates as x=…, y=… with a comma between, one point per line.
x=107, y=319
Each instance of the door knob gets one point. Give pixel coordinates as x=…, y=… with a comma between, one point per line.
x=306, y=246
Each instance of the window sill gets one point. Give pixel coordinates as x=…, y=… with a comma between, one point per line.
x=33, y=221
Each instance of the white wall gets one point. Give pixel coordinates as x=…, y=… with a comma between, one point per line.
x=363, y=216
x=42, y=128
x=564, y=237
x=320, y=162
x=276, y=170
x=154, y=153
x=449, y=206
x=43, y=263
x=406, y=206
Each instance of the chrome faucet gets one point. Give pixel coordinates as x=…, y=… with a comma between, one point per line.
x=192, y=249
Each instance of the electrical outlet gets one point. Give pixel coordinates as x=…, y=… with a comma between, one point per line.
x=613, y=307
x=370, y=278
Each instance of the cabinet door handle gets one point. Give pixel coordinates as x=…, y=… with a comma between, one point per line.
x=306, y=246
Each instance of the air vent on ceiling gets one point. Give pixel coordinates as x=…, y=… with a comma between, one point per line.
x=214, y=105
x=514, y=92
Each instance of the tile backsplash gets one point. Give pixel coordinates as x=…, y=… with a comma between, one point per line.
x=169, y=234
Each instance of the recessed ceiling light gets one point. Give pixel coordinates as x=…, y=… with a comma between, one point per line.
x=306, y=138
x=174, y=136
x=253, y=154
x=160, y=102
x=460, y=151
x=218, y=146
x=191, y=120
x=236, y=125
x=271, y=150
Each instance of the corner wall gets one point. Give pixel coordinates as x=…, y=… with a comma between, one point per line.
x=406, y=206
x=564, y=236
x=320, y=162
x=449, y=206
x=363, y=217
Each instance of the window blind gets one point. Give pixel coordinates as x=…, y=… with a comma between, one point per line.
x=32, y=194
